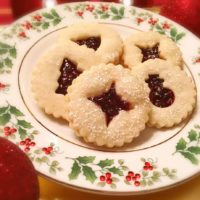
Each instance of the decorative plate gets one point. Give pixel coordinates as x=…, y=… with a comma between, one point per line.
x=156, y=160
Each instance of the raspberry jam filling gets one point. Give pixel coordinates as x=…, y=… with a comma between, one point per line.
x=159, y=96
x=150, y=53
x=69, y=72
x=91, y=42
x=110, y=103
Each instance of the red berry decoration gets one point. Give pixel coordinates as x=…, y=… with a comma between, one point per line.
x=145, y=167
x=109, y=181
x=27, y=143
x=147, y=164
x=50, y=149
x=47, y=150
x=128, y=178
x=134, y=178
x=137, y=176
x=137, y=183
x=108, y=175
x=32, y=144
x=44, y=149
x=13, y=130
x=150, y=167
x=6, y=128
x=130, y=173
x=17, y=174
x=102, y=178
x=22, y=143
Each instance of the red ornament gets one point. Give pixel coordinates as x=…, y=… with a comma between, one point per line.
x=18, y=179
x=185, y=12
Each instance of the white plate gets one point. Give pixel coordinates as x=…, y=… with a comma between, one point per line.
x=173, y=153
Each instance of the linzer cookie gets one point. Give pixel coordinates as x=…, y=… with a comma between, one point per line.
x=143, y=46
x=54, y=72
x=106, y=105
x=171, y=92
x=98, y=40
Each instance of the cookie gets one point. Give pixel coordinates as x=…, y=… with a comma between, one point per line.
x=171, y=92
x=143, y=46
x=106, y=105
x=98, y=40
x=54, y=72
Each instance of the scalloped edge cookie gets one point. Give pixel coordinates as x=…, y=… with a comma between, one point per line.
x=168, y=50
x=87, y=118
x=179, y=82
x=47, y=71
x=111, y=46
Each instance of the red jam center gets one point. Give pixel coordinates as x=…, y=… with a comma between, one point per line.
x=91, y=42
x=150, y=53
x=110, y=103
x=69, y=72
x=159, y=96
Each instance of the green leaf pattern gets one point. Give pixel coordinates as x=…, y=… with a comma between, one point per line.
x=87, y=167
x=7, y=54
x=37, y=22
x=11, y=117
x=190, y=149
x=113, y=12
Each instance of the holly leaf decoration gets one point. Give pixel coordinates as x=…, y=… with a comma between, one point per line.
x=121, y=11
x=4, y=119
x=56, y=21
x=105, y=163
x=54, y=163
x=156, y=176
x=190, y=157
x=101, y=184
x=24, y=124
x=15, y=111
x=3, y=51
x=143, y=183
x=114, y=10
x=4, y=46
x=52, y=170
x=86, y=159
x=13, y=52
x=145, y=173
x=8, y=62
x=47, y=15
x=181, y=145
x=22, y=133
x=173, y=32
x=113, y=186
x=105, y=16
x=166, y=171
x=75, y=171
x=192, y=135
x=158, y=27
x=194, y=149
x=180, y=36
x=89, y=174
x=115, y=170
x=54, y=13
x=3, y=110
x=117, y=17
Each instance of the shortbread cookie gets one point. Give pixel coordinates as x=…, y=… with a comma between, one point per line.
x=107, y=105
x=100, y=41
x=171, y=92
x=53, y=74
x=143, y=46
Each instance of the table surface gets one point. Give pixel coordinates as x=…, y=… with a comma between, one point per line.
x=50, y=190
